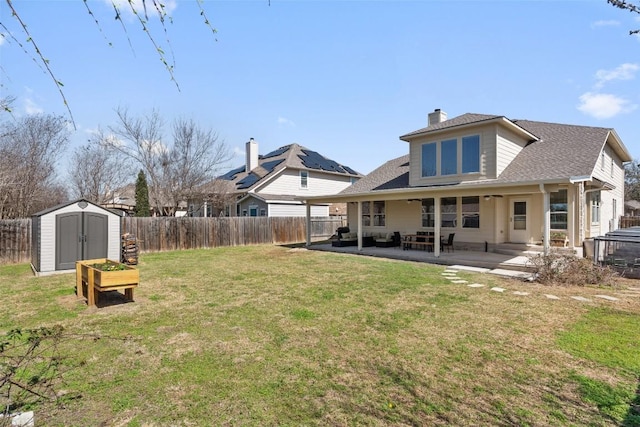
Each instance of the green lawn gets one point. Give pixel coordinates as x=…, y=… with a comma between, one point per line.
x=269, y=335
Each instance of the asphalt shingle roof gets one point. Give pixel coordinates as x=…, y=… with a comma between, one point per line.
x=561, y=151
x=291, y=156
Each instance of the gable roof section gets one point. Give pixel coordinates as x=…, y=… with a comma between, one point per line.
x=560, y=152
x=291, y=156
x=563, y=151
x=465, y=120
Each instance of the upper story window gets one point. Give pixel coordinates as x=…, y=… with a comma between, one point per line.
x=449, y=157
x=304, y=179
x=612, y=164
x=429, y=159
x=471, y=154
x=442, y=158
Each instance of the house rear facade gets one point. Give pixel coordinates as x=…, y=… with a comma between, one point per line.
x=492, y=180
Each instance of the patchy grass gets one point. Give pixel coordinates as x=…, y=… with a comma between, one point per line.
x=274, y=336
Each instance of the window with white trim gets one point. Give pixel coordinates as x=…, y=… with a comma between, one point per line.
x=449, y=212
x=379, y=214
x=304, y=179
x=440, y=158
x=559, y=209
x=471, y=212
x=429, y=159
x=595, y=207
x=428, y=212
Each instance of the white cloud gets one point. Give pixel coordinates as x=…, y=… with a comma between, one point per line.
x=30, y=107
x=2, y=38
x=282, y=121
x=625, y=71
x=238, y=152
x=604, y=105
x=139, y=5
x=603, y=23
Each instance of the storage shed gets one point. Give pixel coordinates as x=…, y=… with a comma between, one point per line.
x=73, y=231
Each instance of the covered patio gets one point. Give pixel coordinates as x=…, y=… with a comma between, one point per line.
x=509, y=260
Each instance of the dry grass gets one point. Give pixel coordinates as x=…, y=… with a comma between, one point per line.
x=273, y=336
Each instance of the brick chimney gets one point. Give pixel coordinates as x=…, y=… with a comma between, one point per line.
x=252, y=155
x=438, y=116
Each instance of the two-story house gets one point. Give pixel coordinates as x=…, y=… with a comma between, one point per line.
x=492, y=180
x=272, y=184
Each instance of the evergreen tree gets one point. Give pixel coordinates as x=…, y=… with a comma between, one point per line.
x=142, y=196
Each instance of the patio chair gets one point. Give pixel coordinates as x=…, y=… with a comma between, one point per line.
x=448, y=243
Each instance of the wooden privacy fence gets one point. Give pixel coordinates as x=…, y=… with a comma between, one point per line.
x=15, y=240
x=629, y=221
x=170, y=233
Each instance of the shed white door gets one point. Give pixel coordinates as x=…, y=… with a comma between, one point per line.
x=519, y=221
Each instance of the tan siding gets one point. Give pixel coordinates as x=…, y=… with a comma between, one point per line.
x=508, y=147
x=607, y=220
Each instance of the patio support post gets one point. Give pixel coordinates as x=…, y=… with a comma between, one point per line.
x=547, y=219
x=581, y=212
x=359, y=225
x=436, y=227
x=308, y=225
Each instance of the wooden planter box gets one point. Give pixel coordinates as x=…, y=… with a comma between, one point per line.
x=90, y=277
x=559, y=243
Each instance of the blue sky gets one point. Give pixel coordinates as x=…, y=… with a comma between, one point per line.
x=344, y=78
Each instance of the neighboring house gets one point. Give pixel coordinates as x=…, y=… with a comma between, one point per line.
x=632, y=208
x=124, y=202
x=272, y=184
x=493, y=180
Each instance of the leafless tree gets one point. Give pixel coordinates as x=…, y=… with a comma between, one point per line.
x=97, y=170
x=30, y=148
x=627, y=5
x=174, y=169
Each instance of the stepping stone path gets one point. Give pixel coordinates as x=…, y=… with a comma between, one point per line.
x=607, y=297
x=451, y=275
x=583, y=299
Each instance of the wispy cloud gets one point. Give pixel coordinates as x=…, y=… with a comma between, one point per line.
x=282, y=121
x=604, y=105
x=31, y=107
x=125, y=6
x=238, y=152
x=625, y=71
x=2, y=37
x=605, y=23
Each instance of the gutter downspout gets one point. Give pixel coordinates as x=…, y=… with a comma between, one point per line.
x=547, y=220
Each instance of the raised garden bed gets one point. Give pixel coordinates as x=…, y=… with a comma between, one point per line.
x=103, y=275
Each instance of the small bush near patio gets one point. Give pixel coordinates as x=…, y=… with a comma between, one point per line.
x=266, y=335
x=569, y=270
